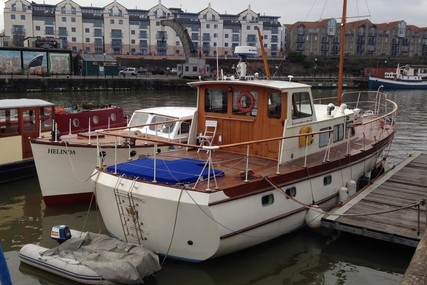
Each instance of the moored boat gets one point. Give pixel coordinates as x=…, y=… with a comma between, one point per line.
x=21, y=119
x=73, y=118
x=70, y=159
x=273, y=157
x=405, y=77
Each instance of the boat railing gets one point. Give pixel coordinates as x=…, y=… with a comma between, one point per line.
x=374, y=126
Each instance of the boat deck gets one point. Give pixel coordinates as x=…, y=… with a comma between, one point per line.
x=234, y=164
x=391, y=209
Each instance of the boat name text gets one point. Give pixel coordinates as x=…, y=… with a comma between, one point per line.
x=61, y=151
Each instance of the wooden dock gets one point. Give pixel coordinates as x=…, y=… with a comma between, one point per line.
x=391, y=209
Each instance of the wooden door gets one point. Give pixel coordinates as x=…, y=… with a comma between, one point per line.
x=29, y=125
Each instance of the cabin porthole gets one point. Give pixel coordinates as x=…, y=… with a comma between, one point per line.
x=76, y=122
x=291, y=192
x=190, y=242
x=95, y=120
x=113, y=117
x=267, y=200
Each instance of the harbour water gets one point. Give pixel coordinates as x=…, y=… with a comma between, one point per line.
x=303, y=257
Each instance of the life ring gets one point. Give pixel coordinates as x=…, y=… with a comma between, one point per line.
x=305, y=140
x=245, y=102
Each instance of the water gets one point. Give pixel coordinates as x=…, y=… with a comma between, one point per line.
x=304, y=257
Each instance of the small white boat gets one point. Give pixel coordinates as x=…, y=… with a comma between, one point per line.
x=69, y=160
x=91, y=258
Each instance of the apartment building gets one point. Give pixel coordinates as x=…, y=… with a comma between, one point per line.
x=114, y=29
x=362, y=38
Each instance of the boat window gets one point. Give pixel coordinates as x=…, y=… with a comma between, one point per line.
x=324, y=137
x=245, y=103
x=291, y=192
x=185, y=127
x=29, y=123
x=327, y=180
x=138, y=119
x=338, y=132
x=216, y=101
x=46, y=117
x=267, y=200
x=8, y=122
x=301, y=105
x=274, y=105
x=166, y=128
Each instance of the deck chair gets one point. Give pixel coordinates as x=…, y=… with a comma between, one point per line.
x=209, y=135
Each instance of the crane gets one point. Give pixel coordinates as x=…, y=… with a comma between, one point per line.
x=193, y=66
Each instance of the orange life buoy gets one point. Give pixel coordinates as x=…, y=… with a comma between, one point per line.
x=245, y=102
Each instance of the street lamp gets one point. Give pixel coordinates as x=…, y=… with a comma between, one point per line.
x=315, y=66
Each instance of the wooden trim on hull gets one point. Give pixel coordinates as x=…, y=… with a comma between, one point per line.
x=261, y=185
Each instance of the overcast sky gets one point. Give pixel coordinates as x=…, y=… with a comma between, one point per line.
x=290, y=11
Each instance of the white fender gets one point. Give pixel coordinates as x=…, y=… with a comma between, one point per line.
x=313, y=217
x=343, y=193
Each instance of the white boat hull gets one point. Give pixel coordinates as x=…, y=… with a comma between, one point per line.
x=71, y=167
x=194, y=226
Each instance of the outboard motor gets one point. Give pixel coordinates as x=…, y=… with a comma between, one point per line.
x=60, y=233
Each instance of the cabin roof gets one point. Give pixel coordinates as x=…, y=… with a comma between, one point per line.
x=174, y=112
x=20, y=103
x=273, y=84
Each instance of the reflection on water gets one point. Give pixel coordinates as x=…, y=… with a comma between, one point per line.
x=303, y=257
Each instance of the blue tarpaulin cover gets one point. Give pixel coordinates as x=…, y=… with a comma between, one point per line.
x=183, y=170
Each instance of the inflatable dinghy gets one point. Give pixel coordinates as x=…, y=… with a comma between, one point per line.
x=91, y=258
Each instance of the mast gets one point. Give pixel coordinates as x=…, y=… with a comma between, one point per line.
x=264, y=56
x=342, y=44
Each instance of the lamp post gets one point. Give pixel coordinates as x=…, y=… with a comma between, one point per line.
x=315, y=66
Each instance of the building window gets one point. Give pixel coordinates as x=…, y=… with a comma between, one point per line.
x=87, y=40
x=111, y=21
x=22, y=17
x=208, y=26
x=120, y=22
x=12, y=17
x=74, y=39
x=37, y=28
x=48, y=30
x=73, y=20
x=215, y=26
x=87, y=30
x=64, y=19
x=132, y=42
x=73, y=30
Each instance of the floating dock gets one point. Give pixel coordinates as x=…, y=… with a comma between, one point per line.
x=391, y=209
